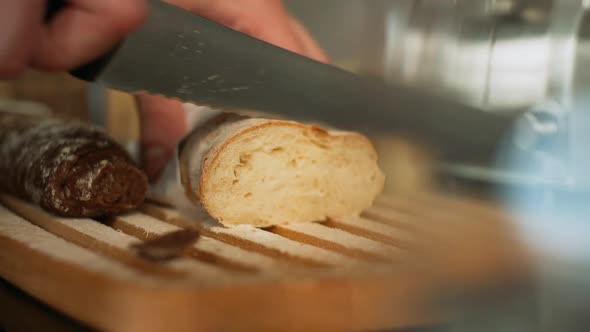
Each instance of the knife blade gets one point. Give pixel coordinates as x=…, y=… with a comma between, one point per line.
x=181, y=55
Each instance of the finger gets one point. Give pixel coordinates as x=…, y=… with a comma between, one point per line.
x=84, y=30
x=163, y=125
x=310, y=47
x=20, y=25
x=270, y=24
x=267, y=20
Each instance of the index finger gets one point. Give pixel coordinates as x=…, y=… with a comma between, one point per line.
x=84, y=30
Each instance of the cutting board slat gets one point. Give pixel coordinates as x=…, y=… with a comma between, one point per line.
x=144, y=226
x=102, y=239
x=259, y=240
x=66, y=276
x=338, y=241
x=372, y=230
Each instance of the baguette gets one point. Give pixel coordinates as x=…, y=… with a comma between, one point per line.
x=266, y=172
x=68, y=168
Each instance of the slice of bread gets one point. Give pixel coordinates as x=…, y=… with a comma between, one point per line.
x=267, y=172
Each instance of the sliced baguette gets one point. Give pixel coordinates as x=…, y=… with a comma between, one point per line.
x=267, y=172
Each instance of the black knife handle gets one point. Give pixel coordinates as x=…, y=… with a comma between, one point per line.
x=53, y=7
x=88, y=72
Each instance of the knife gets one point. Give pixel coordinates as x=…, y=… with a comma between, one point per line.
x=181, y=55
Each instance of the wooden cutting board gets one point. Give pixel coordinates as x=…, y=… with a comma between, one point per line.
x=373, y=272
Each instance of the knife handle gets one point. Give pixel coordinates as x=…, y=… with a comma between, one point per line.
x=52, y=7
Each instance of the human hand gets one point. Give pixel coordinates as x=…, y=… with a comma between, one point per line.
x=163, y=121
x=81, y=32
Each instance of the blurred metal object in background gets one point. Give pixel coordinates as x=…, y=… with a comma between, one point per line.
x=496, y=54
x=518, y=57
x=97, y=108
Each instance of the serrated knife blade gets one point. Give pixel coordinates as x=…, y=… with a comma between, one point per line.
x=181, y=55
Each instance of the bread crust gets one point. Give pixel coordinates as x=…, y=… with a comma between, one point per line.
x=201, y=153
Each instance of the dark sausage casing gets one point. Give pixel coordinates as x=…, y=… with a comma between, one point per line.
x=68, y=168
